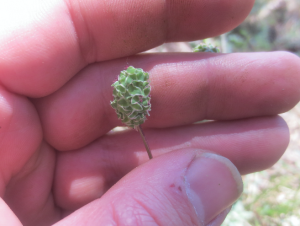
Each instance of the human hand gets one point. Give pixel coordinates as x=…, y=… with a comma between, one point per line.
x=58, y=61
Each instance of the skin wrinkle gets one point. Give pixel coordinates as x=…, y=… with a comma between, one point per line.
x=4, y=174
x=139, y=31
x=29, y=167
x=30, y=170
x=3, y=183
x=195, y=155
x=166, y=83
x=46, y=205
x=24, y=127
x=115, y=216
x=185, y=11
x=202, y=91
x=86, y=43
x=165, y=20
x=147, y=209
x=113, y=173
x=158, y=200
x=183, y=192
x=212, y=77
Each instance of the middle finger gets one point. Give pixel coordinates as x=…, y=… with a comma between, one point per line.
x=185, y=88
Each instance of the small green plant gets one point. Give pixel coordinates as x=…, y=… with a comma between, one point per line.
x=132, y=99
x=206, y=48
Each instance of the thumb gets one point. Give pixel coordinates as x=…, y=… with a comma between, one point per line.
x=185, y=187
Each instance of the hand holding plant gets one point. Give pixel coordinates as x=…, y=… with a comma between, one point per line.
x=59, y=164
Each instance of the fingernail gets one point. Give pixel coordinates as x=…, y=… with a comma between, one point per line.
x=213, y=184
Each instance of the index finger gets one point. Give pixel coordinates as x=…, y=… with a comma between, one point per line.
x=40, y=50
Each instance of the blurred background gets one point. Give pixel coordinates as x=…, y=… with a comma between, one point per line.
x=271, y=197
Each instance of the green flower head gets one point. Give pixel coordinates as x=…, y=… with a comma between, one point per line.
x=132, y=96
x=206, y=48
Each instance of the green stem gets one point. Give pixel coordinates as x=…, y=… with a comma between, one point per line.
x=145, y=141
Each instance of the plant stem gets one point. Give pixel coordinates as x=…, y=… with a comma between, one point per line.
x=145, y=142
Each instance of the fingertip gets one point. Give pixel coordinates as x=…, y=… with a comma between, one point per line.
x=272, y=148
x=286, y=68
x=214, y=183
